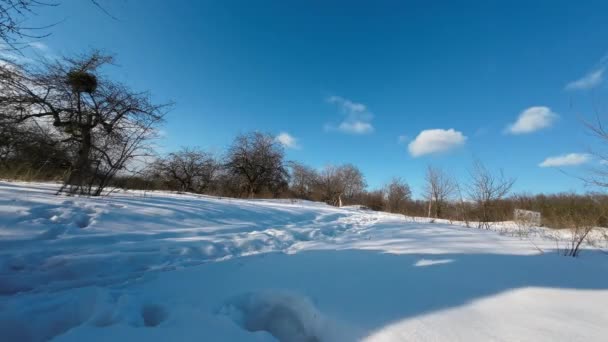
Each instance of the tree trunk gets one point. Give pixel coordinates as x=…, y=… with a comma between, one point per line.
x=437, y=208
x=79, y=175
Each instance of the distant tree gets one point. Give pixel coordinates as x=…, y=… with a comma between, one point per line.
x=329, y=185
x=463, y=208
x=579, y=214
x=397, y=194
x=303, y=180
x=439, y=188
x=258, y=160
x=374, y=200
x=485, y=189
x=188, y=170
x=339, y=183
x=352, y=179
x=228, y=184
x=105, y=123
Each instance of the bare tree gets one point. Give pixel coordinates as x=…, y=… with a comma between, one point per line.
x=353, y=181
x=485, y=189
x=330, y=185
x=188, y=170
x=228, y=184
x=340, y=183
x=463, y=207
x=574, y=213
x=439, y=188
x=259, y=161
x=12, y=15
x=579, y=235
x=105, y=121
x=598, y=176
x=303, y=180
x=28, y=151
x=397, y=194
x=374, y=200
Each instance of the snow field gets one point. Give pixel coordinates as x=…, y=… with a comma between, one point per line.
x=161, y=266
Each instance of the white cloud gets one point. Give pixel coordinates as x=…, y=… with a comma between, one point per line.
x=570, y=159
x=287, y=140
x=532, y=119
x=435, y=141
x=357, y=117
x=591, y=80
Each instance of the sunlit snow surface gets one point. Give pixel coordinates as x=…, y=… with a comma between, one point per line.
x=153, y=266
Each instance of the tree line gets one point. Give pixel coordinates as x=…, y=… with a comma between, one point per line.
x=64, y=120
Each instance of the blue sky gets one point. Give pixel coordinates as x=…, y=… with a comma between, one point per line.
x=361, y=82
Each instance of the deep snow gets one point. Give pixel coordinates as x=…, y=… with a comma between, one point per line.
x=165, y=267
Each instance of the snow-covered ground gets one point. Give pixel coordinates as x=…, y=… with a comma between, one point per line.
x=165, y=267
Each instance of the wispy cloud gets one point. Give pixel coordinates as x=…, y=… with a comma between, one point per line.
x=356, y=127
x=532, y=120
x=570, y=159
x=402, y=139
x=38, y=46
x=589, y=81
x=357, y=116
x=432, y=141
x=36, y=51
x=287, y=140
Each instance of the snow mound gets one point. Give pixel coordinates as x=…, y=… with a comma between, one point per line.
x=43, y=317
x=286, y=316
